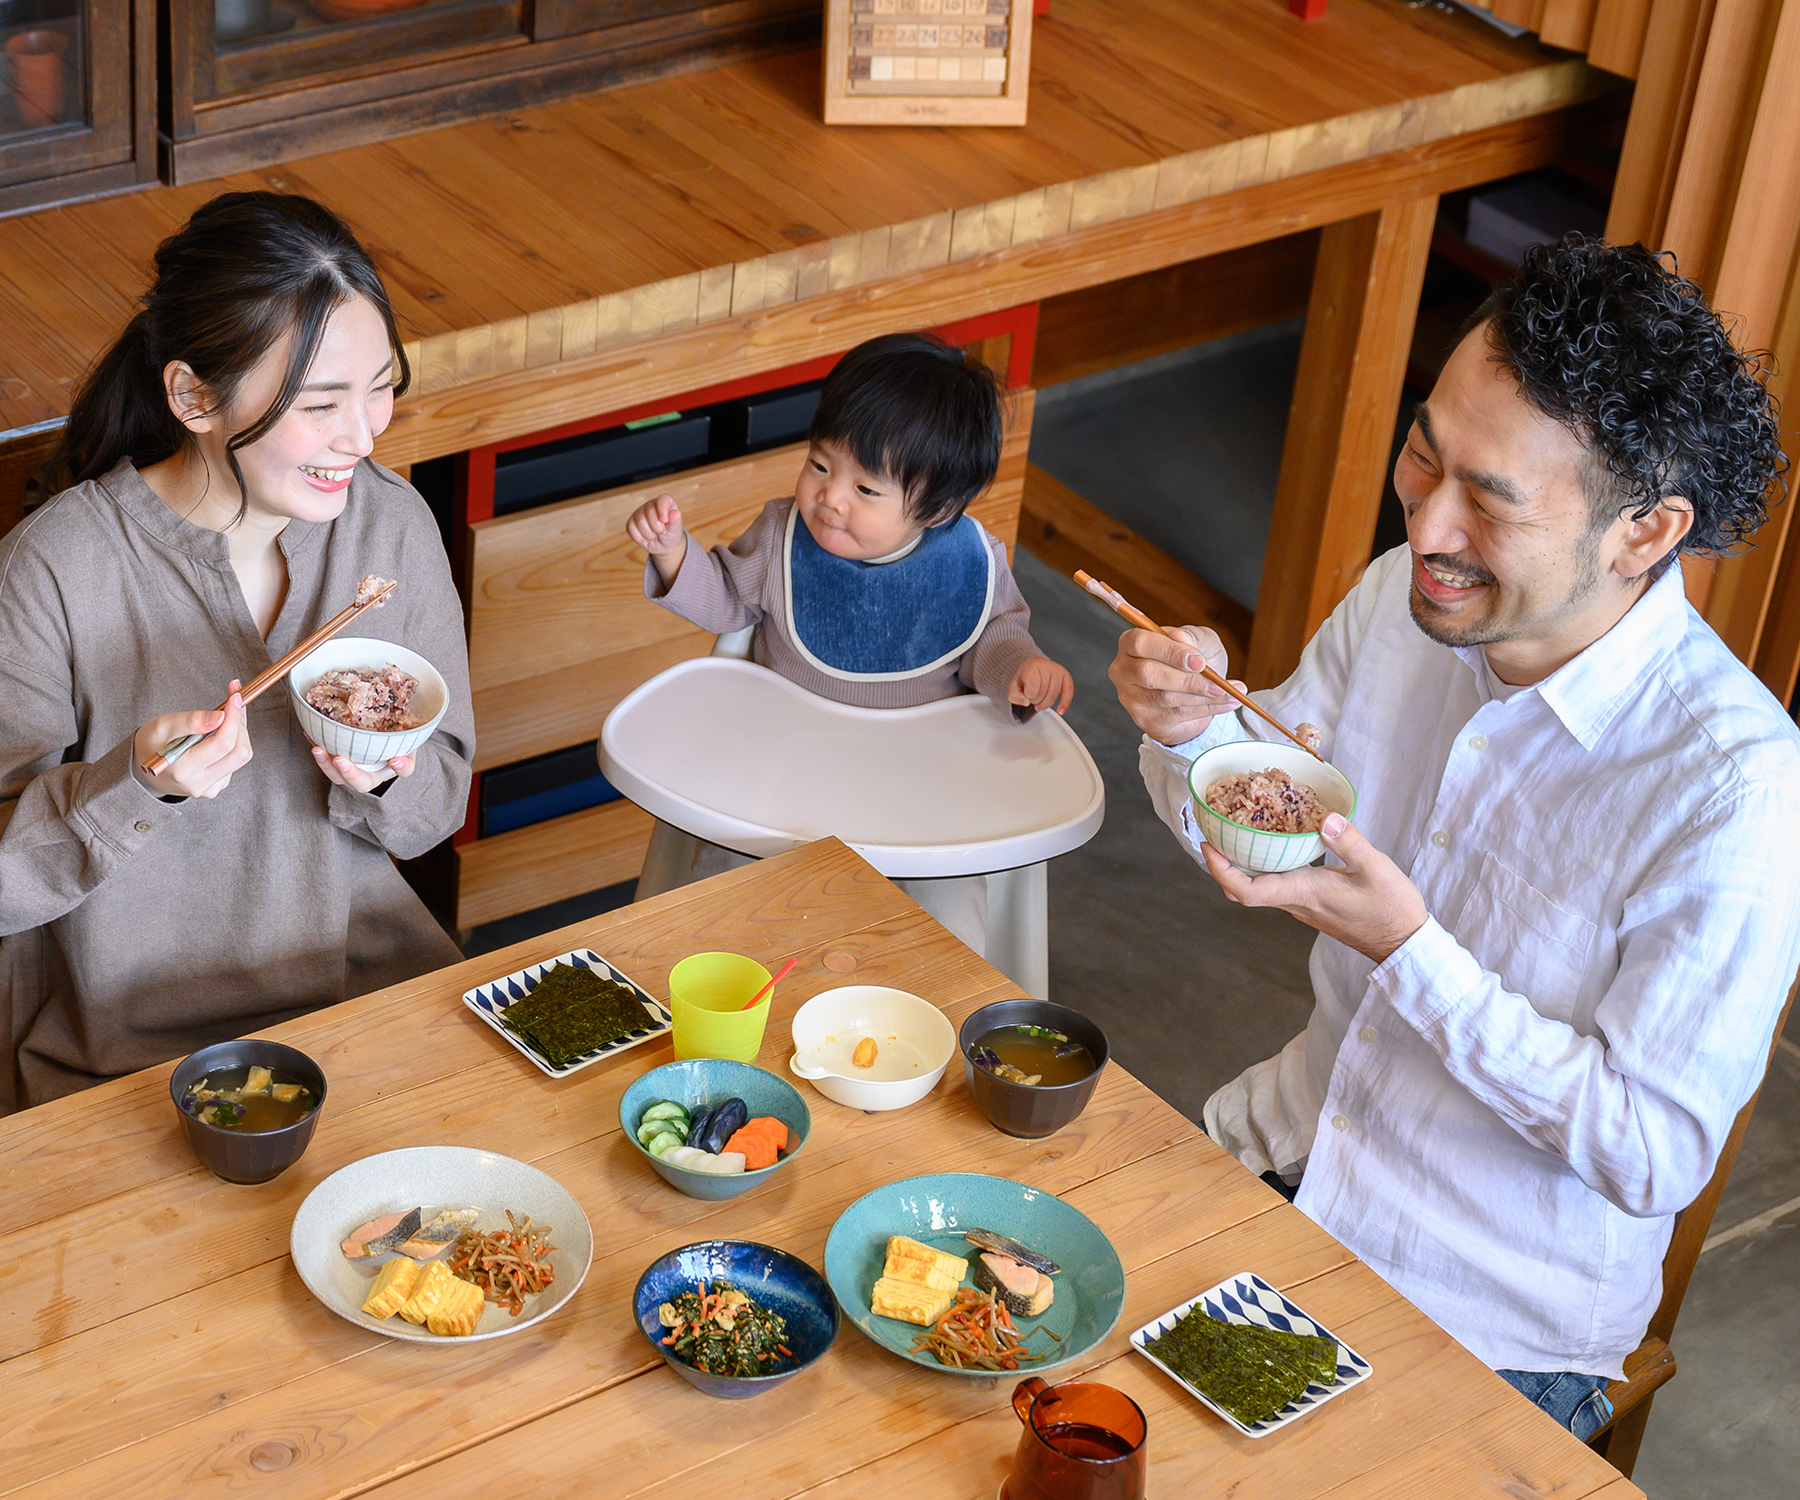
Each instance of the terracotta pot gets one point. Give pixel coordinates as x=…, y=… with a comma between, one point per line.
x=39, y=80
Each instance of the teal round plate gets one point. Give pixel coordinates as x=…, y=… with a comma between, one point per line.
x=937, y=1209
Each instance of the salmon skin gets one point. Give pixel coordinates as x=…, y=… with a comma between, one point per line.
x=379, y=1236
x=1021, y=1288
x=1001, y=1245
x=444, y=1230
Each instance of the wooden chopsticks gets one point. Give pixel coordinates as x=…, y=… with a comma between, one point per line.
x=1143, y=622
x=269, y=676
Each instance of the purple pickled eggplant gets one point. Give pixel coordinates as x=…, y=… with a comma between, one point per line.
x=722, y=1124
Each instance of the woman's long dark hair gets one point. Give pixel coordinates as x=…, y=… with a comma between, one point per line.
x=246, y=269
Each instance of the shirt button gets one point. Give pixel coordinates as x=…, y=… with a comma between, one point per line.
x=1441, y=839
x=1340, y=1122
x=1478, y=742
x=1367, y=1034
x=142, y=827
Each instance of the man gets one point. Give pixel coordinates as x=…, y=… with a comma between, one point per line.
x=1554, y=943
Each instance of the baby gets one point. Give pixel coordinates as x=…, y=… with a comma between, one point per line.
x=872, y=586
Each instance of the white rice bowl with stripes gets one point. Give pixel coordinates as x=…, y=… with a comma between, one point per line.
x=369, y=749
x=1259, y=850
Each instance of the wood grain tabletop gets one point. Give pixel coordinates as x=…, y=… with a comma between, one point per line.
x=156, y=1341
x=536, y=243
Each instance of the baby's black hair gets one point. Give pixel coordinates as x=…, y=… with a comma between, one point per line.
x=921, y=414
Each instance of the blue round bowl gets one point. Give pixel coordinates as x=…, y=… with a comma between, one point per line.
x=772, y=1278
x=702, y=1082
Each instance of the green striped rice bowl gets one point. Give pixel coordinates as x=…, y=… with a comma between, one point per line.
x=1256, y=849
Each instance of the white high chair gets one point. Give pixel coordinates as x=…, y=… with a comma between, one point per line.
x=723, y=750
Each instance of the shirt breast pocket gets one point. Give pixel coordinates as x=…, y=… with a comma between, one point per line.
x=1539, y=949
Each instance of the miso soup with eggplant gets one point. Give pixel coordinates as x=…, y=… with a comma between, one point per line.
x=1032, y=1055
x=252, y=1099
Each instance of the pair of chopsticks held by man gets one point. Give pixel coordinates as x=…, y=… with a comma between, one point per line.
x=1551, y=946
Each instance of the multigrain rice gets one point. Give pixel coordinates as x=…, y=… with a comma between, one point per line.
x=1269, y=800
x=377, y=698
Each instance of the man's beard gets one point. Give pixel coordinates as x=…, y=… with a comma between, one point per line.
x=1485, y=630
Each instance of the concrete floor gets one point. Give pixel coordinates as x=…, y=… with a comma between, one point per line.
x=1192, y=990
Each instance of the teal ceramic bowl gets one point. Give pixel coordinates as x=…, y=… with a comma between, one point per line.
x=703, y=1082
x=1090, y=1288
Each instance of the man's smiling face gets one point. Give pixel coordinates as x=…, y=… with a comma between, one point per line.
x=1500, y=522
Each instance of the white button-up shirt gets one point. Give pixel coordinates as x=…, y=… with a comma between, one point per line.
x=1502, y=1118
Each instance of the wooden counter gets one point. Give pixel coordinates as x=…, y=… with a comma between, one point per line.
x=155, y=1339
x=602, y=251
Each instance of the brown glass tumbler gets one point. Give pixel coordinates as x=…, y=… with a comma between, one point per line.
x=1081, y=1442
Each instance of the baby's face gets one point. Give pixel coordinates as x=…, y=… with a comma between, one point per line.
x=849, y=511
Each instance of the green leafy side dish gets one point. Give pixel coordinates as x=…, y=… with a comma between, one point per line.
x=573, y=1011
x=1250, y=1371
x=724, y=1332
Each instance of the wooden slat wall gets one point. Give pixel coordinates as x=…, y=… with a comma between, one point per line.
x=1611, y=32
x=1710, y=171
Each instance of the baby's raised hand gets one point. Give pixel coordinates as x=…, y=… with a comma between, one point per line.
x=1041, y=683
x=656, y=527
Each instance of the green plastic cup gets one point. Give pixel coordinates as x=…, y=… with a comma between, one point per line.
x=707, y=992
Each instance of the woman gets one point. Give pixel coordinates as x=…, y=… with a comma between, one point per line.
x=222, y=505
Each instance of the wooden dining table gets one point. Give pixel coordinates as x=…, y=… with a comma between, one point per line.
x=158, y=1341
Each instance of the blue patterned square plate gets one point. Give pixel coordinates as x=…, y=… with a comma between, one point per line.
x=490, y=1001
x=1247, y=1298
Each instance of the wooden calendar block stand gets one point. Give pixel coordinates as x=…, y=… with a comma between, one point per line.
x=926, y=62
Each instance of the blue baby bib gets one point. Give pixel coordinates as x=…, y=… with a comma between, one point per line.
x=889, y=620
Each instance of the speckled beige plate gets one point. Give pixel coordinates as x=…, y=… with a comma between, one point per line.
x=434, y=1178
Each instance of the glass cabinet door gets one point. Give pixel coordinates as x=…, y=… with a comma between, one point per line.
x=77, y=90
x=258, y=44
x=44, y=83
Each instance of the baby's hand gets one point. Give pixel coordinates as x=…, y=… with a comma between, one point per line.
x=1041, y=683
x=656, y=527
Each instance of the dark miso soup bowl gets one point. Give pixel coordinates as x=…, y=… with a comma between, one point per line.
x=1022, y=1109
x=240, y=1155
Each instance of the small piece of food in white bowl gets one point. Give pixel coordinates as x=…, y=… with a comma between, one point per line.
x=1275, y=790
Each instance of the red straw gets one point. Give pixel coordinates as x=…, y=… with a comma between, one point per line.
x=779, y=975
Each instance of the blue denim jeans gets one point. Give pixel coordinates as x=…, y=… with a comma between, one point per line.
x=1578, y=1402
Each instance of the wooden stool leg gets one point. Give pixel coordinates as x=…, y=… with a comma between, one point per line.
x=1359, y=326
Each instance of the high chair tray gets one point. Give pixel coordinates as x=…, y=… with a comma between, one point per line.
x=734, y=754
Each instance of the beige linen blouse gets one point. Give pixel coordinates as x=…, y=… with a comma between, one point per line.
x=133, y=929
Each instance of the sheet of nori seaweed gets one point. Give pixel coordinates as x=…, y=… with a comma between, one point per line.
x=1249, y=1370
x=572, y=1011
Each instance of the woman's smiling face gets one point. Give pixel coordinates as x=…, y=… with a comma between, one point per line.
x=301, y=468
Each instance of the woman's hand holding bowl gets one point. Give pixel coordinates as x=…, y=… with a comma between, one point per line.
x=204, y=771
x=345, y=772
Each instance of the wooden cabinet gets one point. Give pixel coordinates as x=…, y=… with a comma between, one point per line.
x=249, y=82
x=77, y=99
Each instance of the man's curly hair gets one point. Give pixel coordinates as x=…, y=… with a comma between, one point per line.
x=1624, y=352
